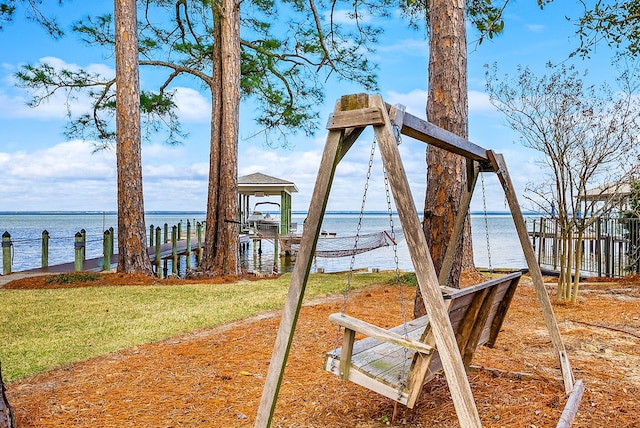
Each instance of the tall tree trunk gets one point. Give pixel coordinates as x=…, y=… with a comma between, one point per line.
x=7, y=420
x=221, y=249
x=447, y=107
x=577, y=266
x=132, y=241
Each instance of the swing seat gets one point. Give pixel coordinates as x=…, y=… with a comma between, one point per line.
x=396, y=363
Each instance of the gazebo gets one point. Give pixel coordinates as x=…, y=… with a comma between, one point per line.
x=262, y=185
x=613, y=194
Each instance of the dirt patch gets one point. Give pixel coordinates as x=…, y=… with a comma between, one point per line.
x=215, y=377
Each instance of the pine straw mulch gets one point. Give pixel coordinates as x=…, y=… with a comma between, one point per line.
x=215, y=377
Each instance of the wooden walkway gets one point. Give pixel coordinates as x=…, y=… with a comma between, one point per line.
x=96, y=264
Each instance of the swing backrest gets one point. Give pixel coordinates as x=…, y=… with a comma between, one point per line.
x=396, y=364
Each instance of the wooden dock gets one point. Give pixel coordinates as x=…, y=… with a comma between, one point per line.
x=97, y=264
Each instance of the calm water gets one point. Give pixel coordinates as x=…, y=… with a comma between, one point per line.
x=26, y=232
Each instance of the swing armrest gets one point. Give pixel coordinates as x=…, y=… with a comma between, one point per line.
x=370, y=330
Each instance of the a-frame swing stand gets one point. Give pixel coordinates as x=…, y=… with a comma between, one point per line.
x=353, y=113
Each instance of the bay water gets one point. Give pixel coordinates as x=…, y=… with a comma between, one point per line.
x=26, y=230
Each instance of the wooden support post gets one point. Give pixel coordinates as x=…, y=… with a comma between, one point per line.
x=347, y=351
x=158, y=258
x=285, y=212
x=188, y=249
x=165, y=262
x=427, y=277
x=458, y=225
x=180, y=230
x=276, y=250
x=151, y=235
x=534, y=270
x=6, y=252
x=106, y=250
x=541, y=242
x=113, y=237
x=78, y=246
x=174, y=250
x=554, y=248
x=199, y=250
x=299, y=277
x=84, y=244
x=45, y=249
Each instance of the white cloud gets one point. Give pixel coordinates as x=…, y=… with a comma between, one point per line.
x=69, y=176
x=403, y=48
x=66, y=176
x=479, y=102
x=71, y=160
x=13, y=100
x=415, y=101
x=192, y=105
x=60, y=64
x=536, y=28
x=301, y=167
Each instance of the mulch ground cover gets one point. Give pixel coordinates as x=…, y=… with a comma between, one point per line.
x=215, y=377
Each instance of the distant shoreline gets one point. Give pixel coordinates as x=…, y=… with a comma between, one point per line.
x=474, y=213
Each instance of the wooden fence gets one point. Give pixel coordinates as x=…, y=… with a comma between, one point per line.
x=610, y=246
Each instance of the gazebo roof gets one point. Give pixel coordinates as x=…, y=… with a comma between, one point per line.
x=259, y=184
x=608, y=191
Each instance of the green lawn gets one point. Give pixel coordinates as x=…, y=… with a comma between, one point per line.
x=44, y=329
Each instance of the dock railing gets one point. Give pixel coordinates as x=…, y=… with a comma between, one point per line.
x=610, y=245
x=170, y=251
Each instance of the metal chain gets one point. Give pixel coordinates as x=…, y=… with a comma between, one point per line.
x=486, y=223
x=355, y=248
x=360, y=217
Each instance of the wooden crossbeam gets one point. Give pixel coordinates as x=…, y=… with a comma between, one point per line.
x=426, y=132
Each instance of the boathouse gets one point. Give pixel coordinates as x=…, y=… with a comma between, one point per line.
x=261, y=185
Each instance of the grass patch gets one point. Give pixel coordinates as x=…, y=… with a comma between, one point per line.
x=44, y=329
x=408, y=279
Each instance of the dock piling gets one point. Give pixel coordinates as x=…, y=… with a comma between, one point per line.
x=79, y=250
x=199, y=251
x=158, y=259
x=107, y=248
x=45, y=249
x=83, y=232
x=188, y=250
x=6, y=253
x=174, y=250
x=112, y=236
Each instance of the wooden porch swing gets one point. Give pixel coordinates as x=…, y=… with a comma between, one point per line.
x=457, y=321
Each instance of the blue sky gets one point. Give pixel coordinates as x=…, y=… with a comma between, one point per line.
x=41, y=170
